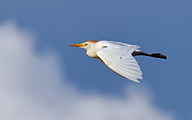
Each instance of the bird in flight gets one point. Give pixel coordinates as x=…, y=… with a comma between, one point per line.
x=118, y=56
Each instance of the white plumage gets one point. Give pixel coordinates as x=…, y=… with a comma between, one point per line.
x=117, y=56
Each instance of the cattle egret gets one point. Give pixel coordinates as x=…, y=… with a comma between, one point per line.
x=118, y=56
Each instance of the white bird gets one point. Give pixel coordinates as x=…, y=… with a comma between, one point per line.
x=118, y=56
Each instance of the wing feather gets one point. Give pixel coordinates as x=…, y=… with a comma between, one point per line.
x=118, y=57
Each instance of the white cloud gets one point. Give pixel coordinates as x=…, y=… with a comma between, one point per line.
x=32, y=88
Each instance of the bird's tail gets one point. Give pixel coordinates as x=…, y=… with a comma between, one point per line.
x=155, y=55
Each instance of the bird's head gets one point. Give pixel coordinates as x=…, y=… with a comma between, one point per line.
x=85, y=45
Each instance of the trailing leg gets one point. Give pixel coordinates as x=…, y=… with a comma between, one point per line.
x=155, y=55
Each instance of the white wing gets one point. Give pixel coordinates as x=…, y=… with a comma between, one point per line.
x=118, y=57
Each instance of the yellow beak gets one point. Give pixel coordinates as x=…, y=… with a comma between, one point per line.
x=78, y=45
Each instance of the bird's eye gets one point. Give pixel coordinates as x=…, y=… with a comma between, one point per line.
x=86, y=44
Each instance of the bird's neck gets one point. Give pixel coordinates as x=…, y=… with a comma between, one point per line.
x=92, y=51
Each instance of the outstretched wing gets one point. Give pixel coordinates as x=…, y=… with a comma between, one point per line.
x=118, y=57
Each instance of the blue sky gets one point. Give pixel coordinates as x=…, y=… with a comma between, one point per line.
x=156, y=26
